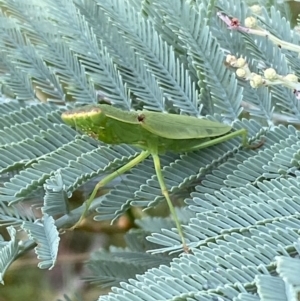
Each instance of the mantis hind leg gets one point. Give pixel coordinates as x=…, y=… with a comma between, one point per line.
x=165, y=193
x=242, y=132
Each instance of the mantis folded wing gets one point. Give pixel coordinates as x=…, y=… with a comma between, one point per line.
x=153, y=132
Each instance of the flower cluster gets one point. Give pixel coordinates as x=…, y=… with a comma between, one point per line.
x=269, y=76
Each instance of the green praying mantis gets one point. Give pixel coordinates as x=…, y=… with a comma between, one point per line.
x=154, y=133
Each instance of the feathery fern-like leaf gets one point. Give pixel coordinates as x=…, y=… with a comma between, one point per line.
x=165, y=56
x=45, y=234
x=8, y=251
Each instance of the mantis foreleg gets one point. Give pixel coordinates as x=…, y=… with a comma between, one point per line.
x=142, y=156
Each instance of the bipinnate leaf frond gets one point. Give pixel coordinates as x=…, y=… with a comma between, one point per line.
x=56, y=196
x=109, y=270
x=8, y=251
x=189, y=24
x=203, y=274
x=266, y=285
x=285, y=280
x=159, y=57
x=45, y=234
x=15, y=215
x=19, y=51
x=19, y=84
x=132, y=69
x=240, y=214
x=120, y=264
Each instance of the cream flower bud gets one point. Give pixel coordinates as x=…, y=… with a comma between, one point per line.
x=241, y=72
x=291, y=78
x=250, y=22
x=241, y=62
x=256, y=80
x=270, y=74
x=256, y=9
x=231, y=59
